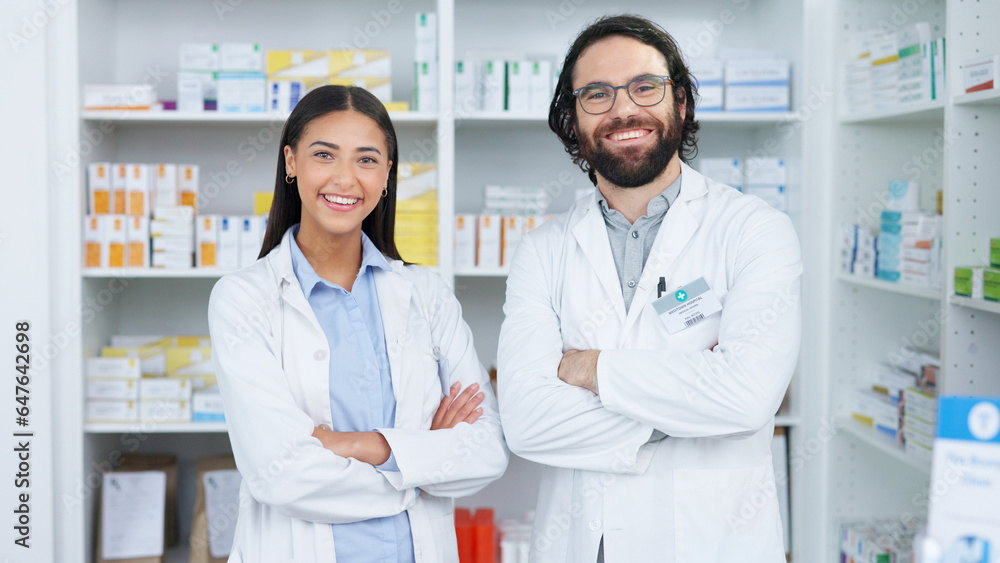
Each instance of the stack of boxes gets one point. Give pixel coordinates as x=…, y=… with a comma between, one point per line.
x=153, y=378
x=766, y=178
x=197, y=77
x=117, y=232
x=882, y=541
x=756, y=85
x=909, y=248
x=497, y=85
x=919, y=421
x=292, y=73
x=242, y=81
x=425, y=64
x=980, y=282
x=488, y=240
x=172, y=232
x=888, y=70
x=417, y=213
x=857, y=251
x=728, y=171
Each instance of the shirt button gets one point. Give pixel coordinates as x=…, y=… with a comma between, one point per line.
x=320, y=355
x=635, y=234
x=631, y=283
x=595, y=525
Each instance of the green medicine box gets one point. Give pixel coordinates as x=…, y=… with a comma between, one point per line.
x=991, y=284
x=995, y=252
x=963, y=282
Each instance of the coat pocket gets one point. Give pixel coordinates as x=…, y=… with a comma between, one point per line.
x=723, y=515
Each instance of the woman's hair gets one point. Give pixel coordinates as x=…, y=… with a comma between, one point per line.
x=286, y=209
x=562, y=111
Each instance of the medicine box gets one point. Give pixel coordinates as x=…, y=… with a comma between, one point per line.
x=284, y=94
x=981, y=73
x=112, y=411
x=251, y=237
x=95, y=247
x=493, y=85
x=297, y=64
x=518, y=86
x=206, y=406
x=166, y=190
x=228, y=250
x=756, y=98
x=728, y=171
x=113, y=389
x=206, y=241
x=426, y=31
x=360, y=63
x=513, y=228
x=488, y=236
x=165, y=410
x=241, y=57
x=187, y=181
x=99, y=193
x=466, y=98
x=191, y=91
x=119, y=188
x=540, y=87
x=465, y=241
x=138, y=186
x=425, y=92
x=152, y=358
x=137, y=235
x=121, y=367
x=114, y=233
x=156, y=388
x=995, y=252
x=709, y=76
x=118, y=96
x=198, y=56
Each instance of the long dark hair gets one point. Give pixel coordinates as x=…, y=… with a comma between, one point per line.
x=286, y=209
x=562, y=111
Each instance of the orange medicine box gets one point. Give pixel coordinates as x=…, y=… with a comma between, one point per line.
x=114, y=233
x=187, y=182
x=119, y=188
x=137, y=235
x=137, y=185
x=93, y=241
x=99, y=188
x=207, y=241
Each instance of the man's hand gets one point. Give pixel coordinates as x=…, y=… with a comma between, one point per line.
x=579, y=368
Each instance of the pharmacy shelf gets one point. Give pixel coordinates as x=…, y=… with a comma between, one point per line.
x=978, y=304
x=476, y=272
x=984, y=98
x=892, y=287
x=882, y=443
x=223, y=117
x=736, y=118
x=914, y=113
x=155, y=427
x=156, y=273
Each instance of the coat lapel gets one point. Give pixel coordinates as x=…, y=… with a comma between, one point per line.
x=592, y=235
x=394, y=293
x=678, y=227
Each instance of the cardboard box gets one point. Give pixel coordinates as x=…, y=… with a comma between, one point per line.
x=138, y=186
x=191, y=91
x=756, y=98
x=488, y=235
x=99, y=194
x=207, y=406
x=297, y=64
x=152, y=357
x=207, y=241
x=165, y=411
x=198, y=56
x=360, y=63
x=118, y=96
x=164, y=388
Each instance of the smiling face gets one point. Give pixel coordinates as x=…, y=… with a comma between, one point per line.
x=341, y=165
x=630, y=145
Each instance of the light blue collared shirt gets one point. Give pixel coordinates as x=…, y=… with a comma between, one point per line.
x=361, y=397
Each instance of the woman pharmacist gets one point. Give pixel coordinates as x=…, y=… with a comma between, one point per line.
x=333, y=357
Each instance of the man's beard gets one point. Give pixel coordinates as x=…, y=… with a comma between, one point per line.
x=631, y=168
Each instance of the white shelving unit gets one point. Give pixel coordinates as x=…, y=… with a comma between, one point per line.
x=110, y=41
x=946, y=144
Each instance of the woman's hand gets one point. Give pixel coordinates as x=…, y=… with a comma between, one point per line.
x=368, y=447
x=460, y=408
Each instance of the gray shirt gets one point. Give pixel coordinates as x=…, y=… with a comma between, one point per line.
x=631, y=243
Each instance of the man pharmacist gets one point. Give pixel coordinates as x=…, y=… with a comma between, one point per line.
x=651, y=331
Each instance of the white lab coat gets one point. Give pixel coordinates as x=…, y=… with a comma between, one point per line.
x=272, y=361
x=704, y=494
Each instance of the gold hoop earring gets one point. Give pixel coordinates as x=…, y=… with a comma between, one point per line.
x=385, y=191
x=289, y=179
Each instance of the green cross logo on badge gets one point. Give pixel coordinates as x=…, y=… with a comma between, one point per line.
x=680, y=296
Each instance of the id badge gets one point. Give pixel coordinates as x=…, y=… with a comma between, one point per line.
x=687, y=306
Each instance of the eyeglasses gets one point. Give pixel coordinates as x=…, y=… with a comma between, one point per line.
x=645, y=91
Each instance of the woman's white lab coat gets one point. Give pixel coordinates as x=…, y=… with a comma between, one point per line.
x=272, y=361
x=706, y=493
